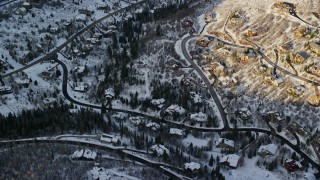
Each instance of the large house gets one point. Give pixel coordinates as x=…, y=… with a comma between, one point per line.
x=265, y=150
x=231, y=160
x=292, y=166
x=174, y=132
x=192, y=169
x=314, y=47
x=314, y=100
x=296, y=91
x=110, y=139
x=159, y=150
x=273, y=117
x=225, y=143
x=198, y=117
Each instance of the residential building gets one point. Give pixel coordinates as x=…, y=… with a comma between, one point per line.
x=265, y=150
x=251, y=33
x=202, y=42
x=110, y=139
x=231, y=160
x=199, y=117
x=314, y=100
x=84, y=154
x=315, y=48
x=159, y=150
x=296, y=91
x=176, y=133
x=225, y=144
x=292, y=166
x=192, y=169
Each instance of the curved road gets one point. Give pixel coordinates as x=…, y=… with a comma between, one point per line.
x=223, y=114
x=130, y=153
x=74, y=36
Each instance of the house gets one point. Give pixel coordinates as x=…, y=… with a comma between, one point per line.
x=265, y=150
x=185, y=81
x=135, y=120
x=81, y=18
x=175, y=110
x=192, y=169
x=244, y=113
x=109, y=93
x=217, y=69
x=292, y=166
x=314, y=69
x=80, y=87
x=157, y=103
x=5, y=90
x=22, y=81
x=85, y=11
x=231, y=160
x=187, y=23
x=296, y=91
x=120, y=116
x=301, y=32
x=300, y=58
x=314, y=100
x=225, y=144
x=47, y=74
x=198, y=117
x=315, y=48
x=273, y=116
x=49, y=101
x=196, y=98
x=202, y=42
x=99, y=174
x=80, y=69
x=110, y=139
x=245, y=58
x=174, y=132
x=251, y=33
x=272, y=80
x=26, y=5
x=159, y=150
x=84, y=154
x=21, y=11
x=152, y=125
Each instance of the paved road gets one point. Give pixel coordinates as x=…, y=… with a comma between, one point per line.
x=74, y=36
x=94, y=106
x=129, y=153
x=223, y=114
x=205, y=79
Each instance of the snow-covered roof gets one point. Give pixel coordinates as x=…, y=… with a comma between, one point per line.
x=100, y=173
x=22, y=81
x=135, y=120
x=196, y=97
x=176, y=131
x=109, y=93
x=120, y=115
x=270, y=148
x=159, y=149
x=158, y=102
x=153, y=125
x=87, y=154
x=199, y=117
x=295, y=162
x=49, y=100
x=109, y=138
x=225, y=141
x=231, y=159
x=175, y=109
x=192, y=166
x=81, y=17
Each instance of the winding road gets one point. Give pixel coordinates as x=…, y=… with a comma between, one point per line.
x=184, y=45
x=70, y=39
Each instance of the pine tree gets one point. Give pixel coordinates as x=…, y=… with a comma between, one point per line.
x=211, y=161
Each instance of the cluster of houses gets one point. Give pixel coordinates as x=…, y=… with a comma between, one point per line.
x=84, y=154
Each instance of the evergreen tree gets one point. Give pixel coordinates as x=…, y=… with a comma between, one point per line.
x=211, y=161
